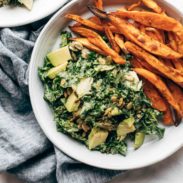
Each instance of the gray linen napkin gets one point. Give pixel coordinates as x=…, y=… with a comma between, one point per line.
x=24, y=149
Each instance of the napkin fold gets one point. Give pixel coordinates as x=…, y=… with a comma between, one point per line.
x=24, y=149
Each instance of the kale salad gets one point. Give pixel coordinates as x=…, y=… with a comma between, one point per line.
x=96, y=101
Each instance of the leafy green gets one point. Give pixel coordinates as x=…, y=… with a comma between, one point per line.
x=92, y=112
x=70, y=129
x=42, y=71
x=113, y=146
x=65, y=36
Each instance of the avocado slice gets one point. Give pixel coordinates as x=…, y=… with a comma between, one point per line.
x=27, y=3
x=60, y=56
x=139, y=139
x=84, y=87
x=125, y=127
x=97, y=137
x=115, y=112
x=53, y=72
x=72, y=103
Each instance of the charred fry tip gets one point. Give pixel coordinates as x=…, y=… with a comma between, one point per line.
x=177, y=122
x=97, y=12
x=178, y=119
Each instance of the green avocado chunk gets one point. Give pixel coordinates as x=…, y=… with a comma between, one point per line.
x=84, y=87
x=97, y=137
x=59, y=56
x=139, y=139
x=27, y=3
x=125, y=127
x=72, y=103
x=53, y=72
x=114, y=112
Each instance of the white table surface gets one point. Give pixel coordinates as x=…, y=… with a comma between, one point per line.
x=167, y=171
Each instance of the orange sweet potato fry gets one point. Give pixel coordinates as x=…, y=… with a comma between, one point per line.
x=87, y=44
x=167, y=115
x=97, y=40
x=92, y=22
x=176, y=40
x=87, y=23
x=179, y=40
x=145, y=65
x=178, y=96
x=172, y=41
x=113, y=28
x=166, y=62
x=142, y=28
x=178, y=64
x=96, y=20
x=143, y=40
x=135, y=63
x=153, y=6
x=180, y=46
x=155, y=34
x=163, y=37
x=168, y=72
x=177, y=93
x=157, y=82
x=99, y=4
x=155, y=97
x=111, y=38
x=151, y=19
x=149, y=67
x=134, y=6
x=120, y=41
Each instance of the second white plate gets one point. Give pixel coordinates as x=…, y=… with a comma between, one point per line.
x=16, y=16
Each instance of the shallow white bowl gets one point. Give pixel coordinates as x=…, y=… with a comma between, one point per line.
x=151, y=152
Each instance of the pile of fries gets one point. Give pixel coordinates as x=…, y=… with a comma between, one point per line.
x=153, y=38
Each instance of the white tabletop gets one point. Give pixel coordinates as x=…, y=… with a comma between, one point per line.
x=167, y=171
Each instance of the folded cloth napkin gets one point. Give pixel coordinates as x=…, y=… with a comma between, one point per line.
x=24, y=149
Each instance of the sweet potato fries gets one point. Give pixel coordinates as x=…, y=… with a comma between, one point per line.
x=154, y=39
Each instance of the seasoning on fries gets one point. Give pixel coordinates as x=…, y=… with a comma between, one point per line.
x=155, y=41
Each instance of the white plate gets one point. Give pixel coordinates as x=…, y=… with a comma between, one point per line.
x=16, y=16
x=151, y=152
